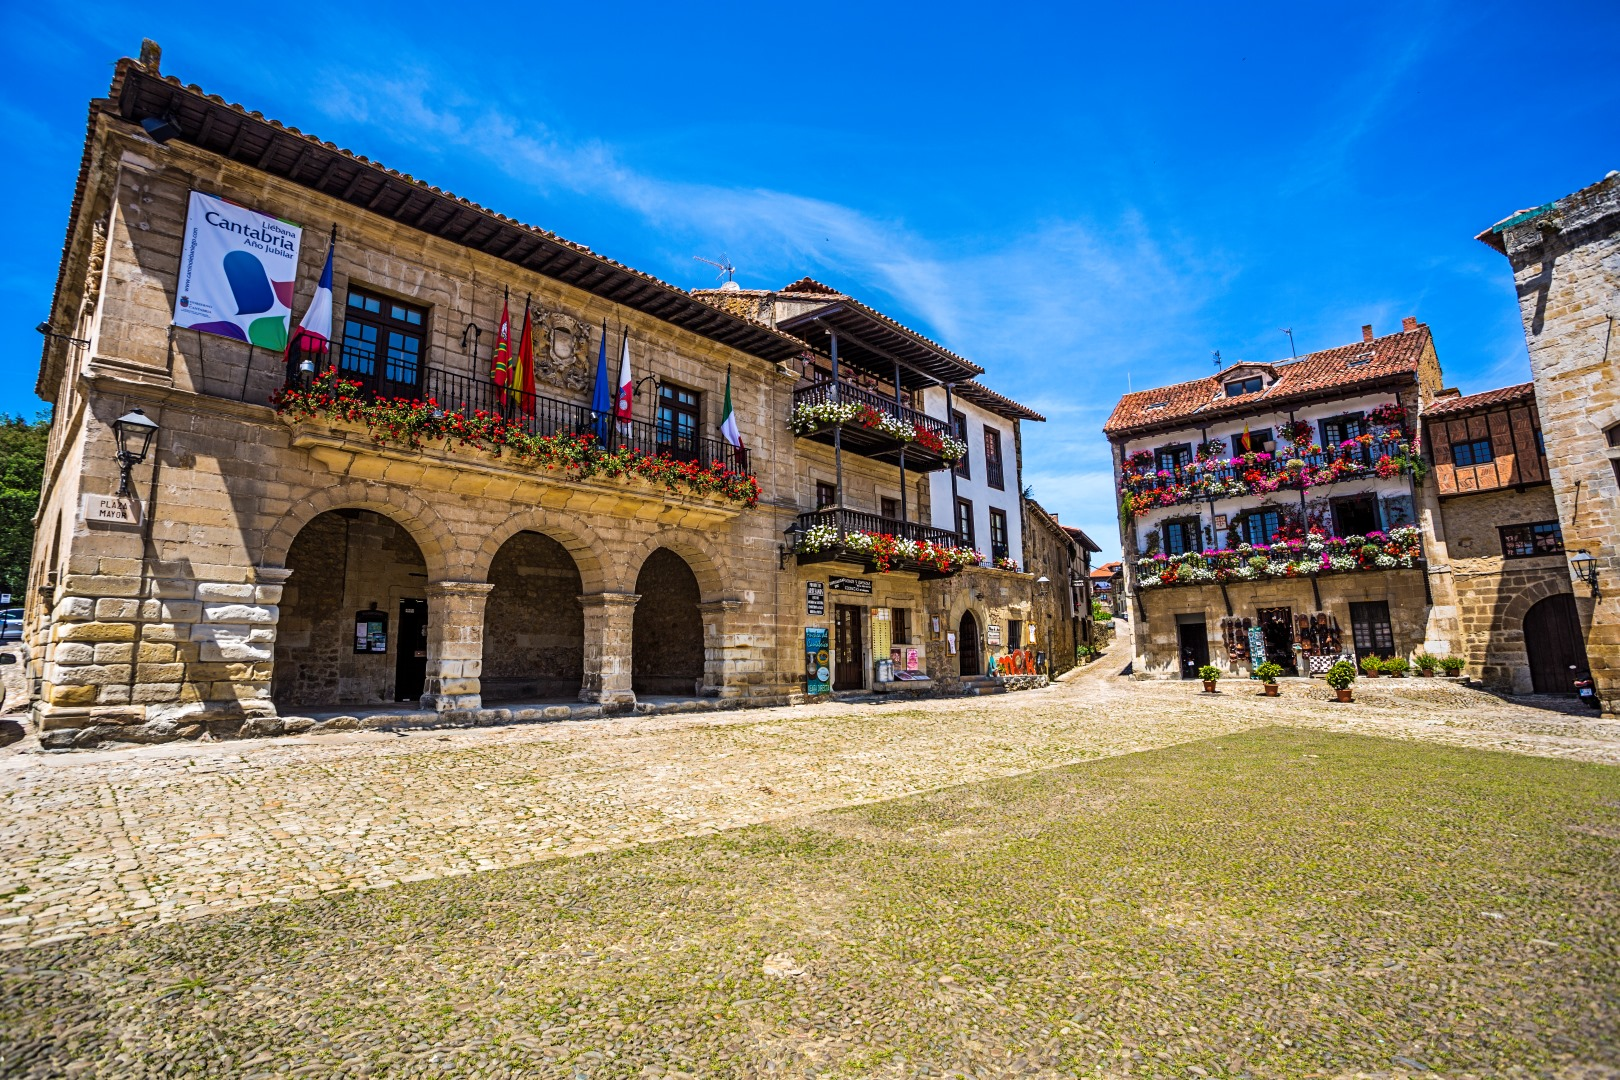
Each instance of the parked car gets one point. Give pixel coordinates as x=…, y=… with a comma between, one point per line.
x=11, y=624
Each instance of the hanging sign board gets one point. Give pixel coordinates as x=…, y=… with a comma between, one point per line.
x=815, y=598
x=850, y=584
x=237, y=271
x=371, y=632
x=817, y=674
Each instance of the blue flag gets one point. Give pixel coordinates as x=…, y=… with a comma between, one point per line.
x=602, y=398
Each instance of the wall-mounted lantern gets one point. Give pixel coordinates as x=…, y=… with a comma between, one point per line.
x=135, y=431
x=1583, y=567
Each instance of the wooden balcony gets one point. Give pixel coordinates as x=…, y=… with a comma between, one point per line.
x=881, y=428
x=836, y=535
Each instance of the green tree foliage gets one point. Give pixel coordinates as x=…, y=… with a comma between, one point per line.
x=22, y=465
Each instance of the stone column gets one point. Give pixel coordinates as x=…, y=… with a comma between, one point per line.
x=455, y=647
x=609, y=618
x=724, y=664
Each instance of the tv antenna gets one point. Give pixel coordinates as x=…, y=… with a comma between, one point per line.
x=1217, y=355
x=1289, y=330
x=724, y=266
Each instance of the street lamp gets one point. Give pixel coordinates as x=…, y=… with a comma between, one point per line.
x=1583, y=567
x=135, y=432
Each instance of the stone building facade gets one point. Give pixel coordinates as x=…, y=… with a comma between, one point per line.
x=1565, y=257
x=1282, y=499
x=328, y=553
x=1497, y=545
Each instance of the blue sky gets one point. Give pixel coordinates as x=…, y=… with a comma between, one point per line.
x=1078, y=198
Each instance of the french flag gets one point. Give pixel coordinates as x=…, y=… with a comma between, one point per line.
x=621, y=408
x=314, y=332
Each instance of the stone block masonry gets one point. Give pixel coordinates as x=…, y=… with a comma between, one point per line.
x=1565, y=258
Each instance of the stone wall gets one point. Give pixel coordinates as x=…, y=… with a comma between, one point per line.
x=1494, y=592
x=534, y=628
x=1157, y=638
x=1566, y=268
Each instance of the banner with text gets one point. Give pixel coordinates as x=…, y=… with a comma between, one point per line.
x=237, y=271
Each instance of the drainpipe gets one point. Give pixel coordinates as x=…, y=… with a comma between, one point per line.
x=950, y=422
x=898, y=407
x=838, y=434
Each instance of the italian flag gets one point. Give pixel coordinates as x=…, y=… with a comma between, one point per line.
x=728, y=424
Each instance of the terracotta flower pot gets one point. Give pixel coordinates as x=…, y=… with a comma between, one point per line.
x=1369, y=674
x=1422, y=674
x=1271, y=689
x=1209, y=686
x=1344, y=695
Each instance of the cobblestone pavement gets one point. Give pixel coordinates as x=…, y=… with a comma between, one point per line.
x=94, y=841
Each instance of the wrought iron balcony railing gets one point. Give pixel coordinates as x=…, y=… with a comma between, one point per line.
x=872, y=425
x=539, y=415
x=1147, y=488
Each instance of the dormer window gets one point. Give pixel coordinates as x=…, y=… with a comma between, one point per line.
x=1238, y=387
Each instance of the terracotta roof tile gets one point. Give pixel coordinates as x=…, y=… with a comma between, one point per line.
x=990, y=401
x=1344, y=367
x=812, y=286
x=1501, y=396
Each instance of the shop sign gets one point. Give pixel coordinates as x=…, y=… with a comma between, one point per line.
x=993, y=634
x=815, y=598
x=817, y=657
x=850, y=584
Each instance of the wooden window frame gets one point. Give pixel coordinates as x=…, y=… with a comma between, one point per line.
x=668, y=436
x=1259, y=385
x=964, y=514
x=1529, y=530
x=998, y=514
x=995, y=471
x=384, y=322
x=1190, y=523
x=831, y=490
x=959, y=423
x=1472, y=446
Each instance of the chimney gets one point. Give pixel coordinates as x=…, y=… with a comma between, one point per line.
x=1409, y=324
x=1366, y=332
x=151, y=55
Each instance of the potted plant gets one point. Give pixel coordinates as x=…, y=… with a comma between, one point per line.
x=1211, y=675
x=1395, y=667
x=1341, y=676
x=1268, y=673
x=1452, y=666
x=1370, y=666
x=1426, y=663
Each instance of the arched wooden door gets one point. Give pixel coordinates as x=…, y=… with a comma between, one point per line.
x=969, y=656
x=1552, y=637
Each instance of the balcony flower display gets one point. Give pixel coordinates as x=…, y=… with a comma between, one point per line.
x=886, y=549
x=1306, y=466
x=414, y=423
x=1317, y=553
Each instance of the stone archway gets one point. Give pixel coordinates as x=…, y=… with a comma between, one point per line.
x=348, y=563
x=666, y=639
x=534, y=627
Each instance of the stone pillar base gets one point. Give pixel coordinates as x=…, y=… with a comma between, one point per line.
x=455, y=648
x=609, y=619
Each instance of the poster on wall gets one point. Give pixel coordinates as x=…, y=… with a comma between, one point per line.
x=237, y=271
x=817, y=675
x=993, y=636
x=815, y=598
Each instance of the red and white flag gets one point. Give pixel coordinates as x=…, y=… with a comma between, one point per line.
x=314, y=333
x=621, y=408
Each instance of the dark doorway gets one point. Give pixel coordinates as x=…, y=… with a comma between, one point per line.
x=1371, y=631
x=410, y=667
x=1277, y=627
x=1193, y=639
x=1552, y=637
x=666, y=637
x=969, y=662
x=1355, y=515
x=1015, y=633
x=847, y=654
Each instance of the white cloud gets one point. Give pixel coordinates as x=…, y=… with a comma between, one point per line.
x=1058, y=314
